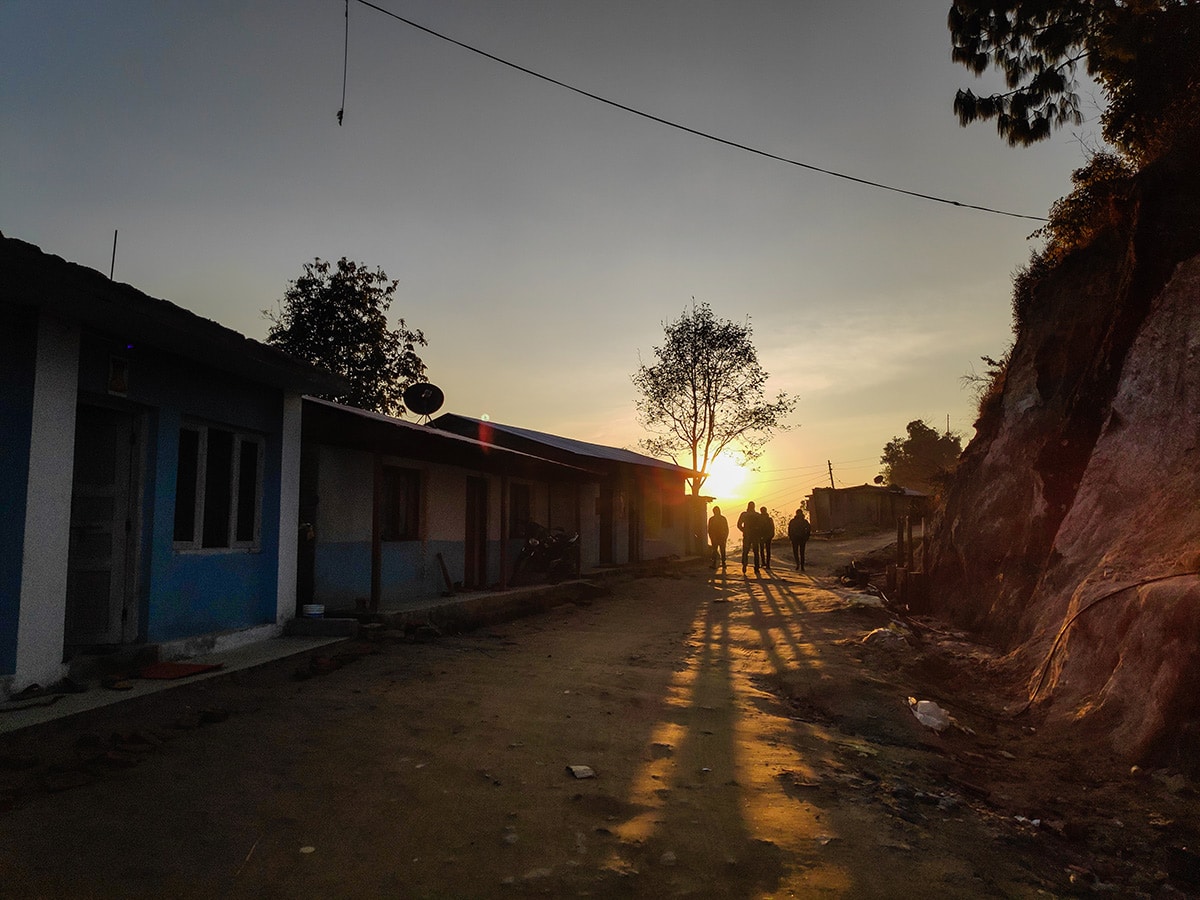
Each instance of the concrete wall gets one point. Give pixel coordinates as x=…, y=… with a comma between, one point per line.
x=18, y=361
x=184, y=593
x=43, y=587
x=410, y=570
x=48, y=369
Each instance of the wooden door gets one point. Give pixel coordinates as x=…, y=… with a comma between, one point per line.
x=475, y=562
x=101, y=606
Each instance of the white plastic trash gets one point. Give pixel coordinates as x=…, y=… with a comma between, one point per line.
x=930, y=714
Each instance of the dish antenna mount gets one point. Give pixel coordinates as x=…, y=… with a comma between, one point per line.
x=424, y=399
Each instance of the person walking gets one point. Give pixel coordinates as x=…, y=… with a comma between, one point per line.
x=798, y=532
x=766, y=536
x=718, y=535
x=748, y=524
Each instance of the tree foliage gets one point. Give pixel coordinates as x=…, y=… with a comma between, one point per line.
x=338, y=319
x=705, y=393
x=1091, y=206
x=1095, y=203
x=1142, y=53
x=921, y=460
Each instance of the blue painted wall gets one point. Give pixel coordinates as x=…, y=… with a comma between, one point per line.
x=18, y=354
x=409, y=571
x=183, y=594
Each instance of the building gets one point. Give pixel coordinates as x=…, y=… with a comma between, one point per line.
x=637, y=508
x=864, y=506
x=396, y=512
x=149, y=472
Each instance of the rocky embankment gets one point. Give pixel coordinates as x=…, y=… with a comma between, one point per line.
x=1071, y=534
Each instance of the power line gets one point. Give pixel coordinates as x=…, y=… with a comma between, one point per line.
x=345, y=64
x=685, y=128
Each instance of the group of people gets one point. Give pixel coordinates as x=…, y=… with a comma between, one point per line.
x=758, y=533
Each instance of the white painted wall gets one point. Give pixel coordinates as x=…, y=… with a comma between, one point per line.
x=289, y=508
x=444, y=502
x=344, y=492
x=42, y=620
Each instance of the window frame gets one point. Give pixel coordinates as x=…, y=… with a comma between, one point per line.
x=413, y=480
x=518, y=525
x=239, y=439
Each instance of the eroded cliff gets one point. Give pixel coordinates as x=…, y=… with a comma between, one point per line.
x=1071, y=532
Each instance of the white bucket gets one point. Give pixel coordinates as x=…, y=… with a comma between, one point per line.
x=313, y=610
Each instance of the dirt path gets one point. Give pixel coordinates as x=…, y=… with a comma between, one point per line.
x=745, y=743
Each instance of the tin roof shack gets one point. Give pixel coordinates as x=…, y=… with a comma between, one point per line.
x=638, y=509
x=403, y=512
x=864, y=506
x=149, y=456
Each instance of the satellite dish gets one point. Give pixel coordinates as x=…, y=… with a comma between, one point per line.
x=424, y=398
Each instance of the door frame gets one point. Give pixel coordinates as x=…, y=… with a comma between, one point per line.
x=475, y=541
x=124, y=606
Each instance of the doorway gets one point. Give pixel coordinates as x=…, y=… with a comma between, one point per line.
x=101, y=561
x=605, y=507
x=475, y=562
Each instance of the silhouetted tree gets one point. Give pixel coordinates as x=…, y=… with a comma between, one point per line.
x=1142, y=54
x=704, y=394
x=921, y=460
x=337, y=319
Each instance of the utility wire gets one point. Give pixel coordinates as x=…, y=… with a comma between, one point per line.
x=703, y=134
x=345, y=64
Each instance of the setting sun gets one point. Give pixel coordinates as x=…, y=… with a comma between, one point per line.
x=725, y=478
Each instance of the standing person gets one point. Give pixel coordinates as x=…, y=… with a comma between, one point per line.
x=747, y=524
x=798, y=532
x=718, y=534
x=766, y=536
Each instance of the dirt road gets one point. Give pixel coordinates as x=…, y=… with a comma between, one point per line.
x=745, y=742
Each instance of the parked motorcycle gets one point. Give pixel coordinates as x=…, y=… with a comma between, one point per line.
x=552, y=554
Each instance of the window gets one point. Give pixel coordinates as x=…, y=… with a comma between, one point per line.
x=668, y=513
x=218, y=489
x=401, y=504
x=519, y=510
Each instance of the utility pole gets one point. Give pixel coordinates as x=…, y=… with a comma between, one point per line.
x=113, y=265
x=831, y=484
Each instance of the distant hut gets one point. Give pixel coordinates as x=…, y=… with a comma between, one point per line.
x=864, y=506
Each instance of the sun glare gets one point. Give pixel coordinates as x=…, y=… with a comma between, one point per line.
x=725, y=479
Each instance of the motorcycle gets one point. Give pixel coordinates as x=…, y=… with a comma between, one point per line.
x=551, y=553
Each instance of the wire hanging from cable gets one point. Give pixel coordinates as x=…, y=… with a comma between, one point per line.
x=703, y=134
x=345, y=65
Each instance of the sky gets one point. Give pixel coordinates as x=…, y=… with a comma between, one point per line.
x=541, y=239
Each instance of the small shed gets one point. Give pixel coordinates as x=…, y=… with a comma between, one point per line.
x=864, y=506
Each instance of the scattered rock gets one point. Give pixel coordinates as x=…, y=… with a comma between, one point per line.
x=581, y=771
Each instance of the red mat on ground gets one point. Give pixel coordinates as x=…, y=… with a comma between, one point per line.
x=169, y=670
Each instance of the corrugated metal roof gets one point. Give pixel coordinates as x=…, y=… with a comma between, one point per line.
x=426, y=434
x=32, y=277
x=569, y=445
x=899, y=491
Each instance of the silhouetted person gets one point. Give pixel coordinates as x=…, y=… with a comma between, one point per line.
x=766, y=535
x=718, y=534
x=798, y=532
x=748, y=524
